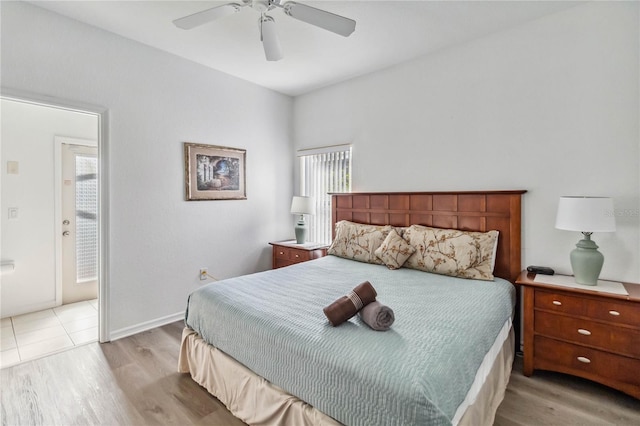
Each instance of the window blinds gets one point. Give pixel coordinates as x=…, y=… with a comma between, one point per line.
x=322, y=171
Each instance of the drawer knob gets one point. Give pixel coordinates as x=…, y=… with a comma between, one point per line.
x=281, y=252
x=297, y=255
x=557, y=303
x=584, y=359
x=615, y=313
x=584, y=332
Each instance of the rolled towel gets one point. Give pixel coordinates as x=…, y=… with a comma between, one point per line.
x=349, y=305
x=377, y=316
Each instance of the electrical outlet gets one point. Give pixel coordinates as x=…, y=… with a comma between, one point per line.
x=203, y=274
x=13, y=213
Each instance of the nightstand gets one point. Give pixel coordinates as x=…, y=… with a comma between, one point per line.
x=586, y=333
x=288, y=252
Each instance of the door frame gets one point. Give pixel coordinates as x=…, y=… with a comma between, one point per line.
x=57, y=155
x=102, y=114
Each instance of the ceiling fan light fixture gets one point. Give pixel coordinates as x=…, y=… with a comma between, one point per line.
x=261, y=5
x=320, y=18
x=269, y=38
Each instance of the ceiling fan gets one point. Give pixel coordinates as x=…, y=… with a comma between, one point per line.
x=272, y=50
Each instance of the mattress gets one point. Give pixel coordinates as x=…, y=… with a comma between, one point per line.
x=419, y=372
x=255, y=401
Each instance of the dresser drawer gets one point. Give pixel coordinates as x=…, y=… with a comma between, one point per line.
x=299, y=255
x=292, y=254
x=281, y=263
x=617, y=312
x=559, y=302
x=281, y=252
x=286, y=253
x=602, y=309
x=621, y=340
x=612, y=370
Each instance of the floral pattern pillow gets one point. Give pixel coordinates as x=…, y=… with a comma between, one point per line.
x=359, y=242
x=452, y=252
x=394, y=250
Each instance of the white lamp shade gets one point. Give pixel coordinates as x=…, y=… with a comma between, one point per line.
x=303, y=205
x=586, y=214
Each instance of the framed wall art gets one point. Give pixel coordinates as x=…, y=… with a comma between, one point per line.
x=214, y=172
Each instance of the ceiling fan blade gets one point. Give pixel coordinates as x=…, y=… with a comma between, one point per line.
x=269, y=37
x=320, y=18
x=200, y=18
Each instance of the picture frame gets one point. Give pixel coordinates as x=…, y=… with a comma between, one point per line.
x=214, y=172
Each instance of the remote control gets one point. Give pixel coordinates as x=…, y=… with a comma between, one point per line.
x=541, y=270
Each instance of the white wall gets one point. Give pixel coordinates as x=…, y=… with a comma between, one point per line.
x=28, y=133
x=156, y=101
x=526, y=108
x=550, y=107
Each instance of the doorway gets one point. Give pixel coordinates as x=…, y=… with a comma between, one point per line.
x=34, y=133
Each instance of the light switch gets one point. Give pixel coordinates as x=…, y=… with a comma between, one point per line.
x=13, y=213
x=13, y=167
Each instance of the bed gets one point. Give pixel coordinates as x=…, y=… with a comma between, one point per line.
x=261, y=344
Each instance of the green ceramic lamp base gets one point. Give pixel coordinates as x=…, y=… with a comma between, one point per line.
x=301, y=231
x=586, y=261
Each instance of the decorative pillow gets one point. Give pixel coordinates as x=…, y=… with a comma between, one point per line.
x=452, y=252
x=394, y=250
x=358, y=241
x=400, y=230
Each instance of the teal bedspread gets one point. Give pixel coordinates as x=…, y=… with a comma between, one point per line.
x=418, y=372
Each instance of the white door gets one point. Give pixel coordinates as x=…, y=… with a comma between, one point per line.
x=79, y=223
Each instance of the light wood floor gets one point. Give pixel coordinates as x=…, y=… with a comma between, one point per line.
x=133, y=381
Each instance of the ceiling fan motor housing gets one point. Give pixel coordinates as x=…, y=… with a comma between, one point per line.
x=261, y=5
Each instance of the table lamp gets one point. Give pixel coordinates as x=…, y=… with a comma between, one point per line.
x=586, y=215
x=302, y=206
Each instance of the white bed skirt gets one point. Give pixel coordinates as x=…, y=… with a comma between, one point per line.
x=254, y=400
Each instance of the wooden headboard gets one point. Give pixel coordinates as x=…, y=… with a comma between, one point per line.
x=469, y=211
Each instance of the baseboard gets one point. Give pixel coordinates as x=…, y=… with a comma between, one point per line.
x=144, y=326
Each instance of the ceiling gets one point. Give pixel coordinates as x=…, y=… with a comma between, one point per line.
x=387, y=33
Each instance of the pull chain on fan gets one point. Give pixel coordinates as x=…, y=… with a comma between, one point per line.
x=272, y=50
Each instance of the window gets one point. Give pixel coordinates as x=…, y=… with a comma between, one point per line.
x=322, y=171
x=86, y=218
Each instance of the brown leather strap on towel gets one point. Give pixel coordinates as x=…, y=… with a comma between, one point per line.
x=349, y=305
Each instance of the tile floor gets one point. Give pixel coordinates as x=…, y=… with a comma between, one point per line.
x=41, y=333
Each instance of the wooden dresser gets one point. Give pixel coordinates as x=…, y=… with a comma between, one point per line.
x=594, y=335
x=287, y=253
